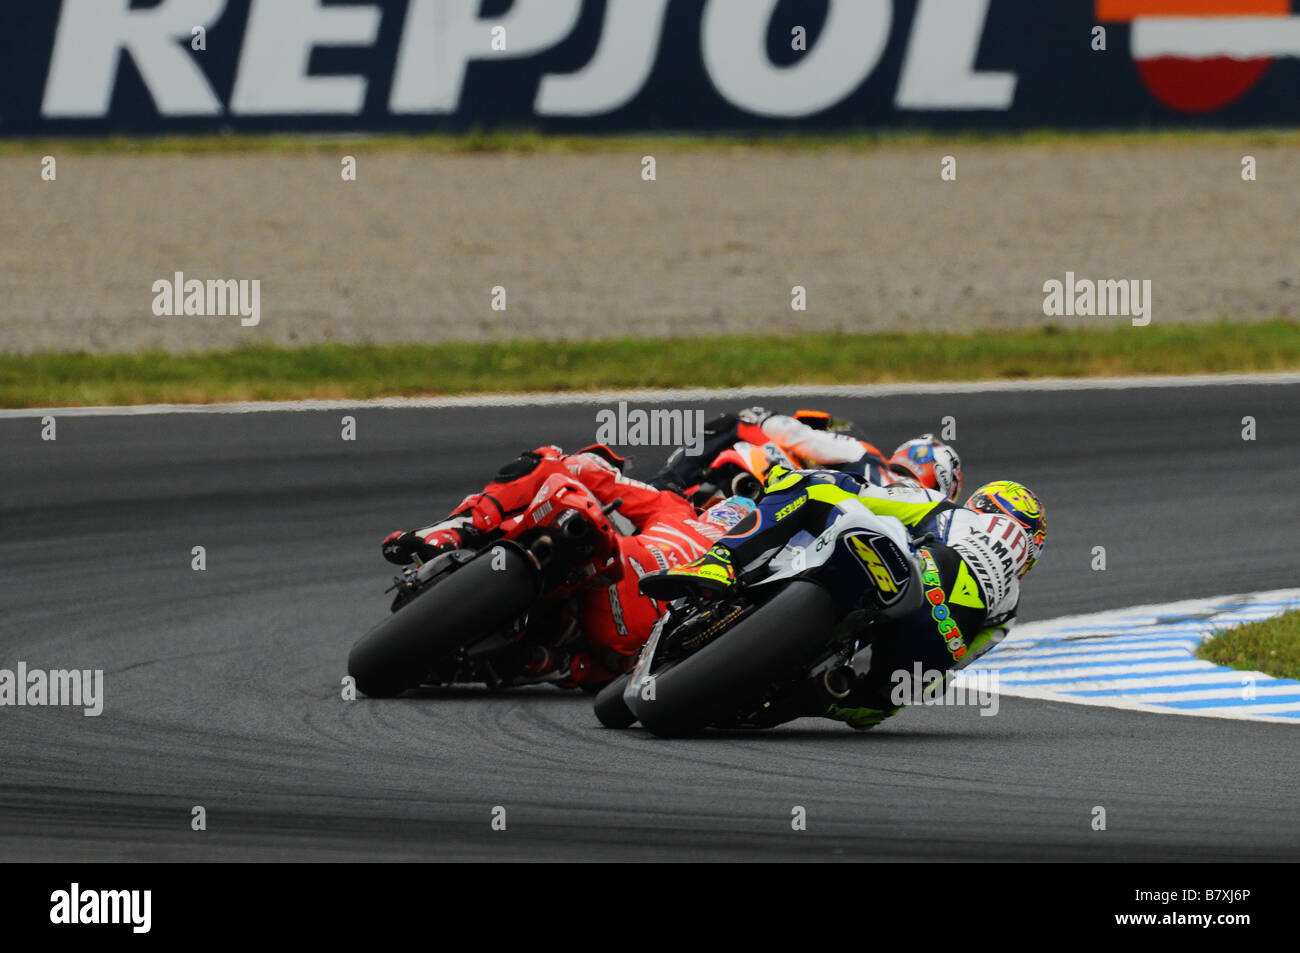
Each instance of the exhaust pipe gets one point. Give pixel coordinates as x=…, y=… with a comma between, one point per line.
x=573, y=526
x=540, y=550
x=838, y=681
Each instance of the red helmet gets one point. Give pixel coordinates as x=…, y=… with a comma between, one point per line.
x=930, y=462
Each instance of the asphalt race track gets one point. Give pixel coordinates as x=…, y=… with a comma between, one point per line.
x=223, y=687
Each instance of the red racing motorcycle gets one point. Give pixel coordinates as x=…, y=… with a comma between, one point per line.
x=480, y=615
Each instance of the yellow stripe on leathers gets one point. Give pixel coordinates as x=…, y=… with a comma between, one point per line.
x=909, y=514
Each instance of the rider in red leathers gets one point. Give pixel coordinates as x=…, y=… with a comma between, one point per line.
x=608, y=626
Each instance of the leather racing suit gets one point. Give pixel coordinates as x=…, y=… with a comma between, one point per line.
x=803, y=443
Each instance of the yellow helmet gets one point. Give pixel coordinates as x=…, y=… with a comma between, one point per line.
x=1008, y=498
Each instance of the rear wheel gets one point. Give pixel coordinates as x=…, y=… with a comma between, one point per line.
x=611, y=710
x=765, y=647
x=475, y=600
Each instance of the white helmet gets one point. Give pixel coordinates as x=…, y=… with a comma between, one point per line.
x=930, y=462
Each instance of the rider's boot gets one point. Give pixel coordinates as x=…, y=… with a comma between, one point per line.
x=765, y=528
x=402, y=546
x=859, y=718
x=710, y=573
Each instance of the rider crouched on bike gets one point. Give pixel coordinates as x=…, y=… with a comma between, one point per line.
x=812, y=438
x=602, y=635
x=968, y=563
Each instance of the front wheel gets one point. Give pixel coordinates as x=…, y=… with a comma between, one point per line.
x=768, y=646
x=474, y=601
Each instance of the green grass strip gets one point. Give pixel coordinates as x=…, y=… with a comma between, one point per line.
x=1271, y=646
x=50, y=379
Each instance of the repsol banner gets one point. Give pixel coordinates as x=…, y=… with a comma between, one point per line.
x=101, y=66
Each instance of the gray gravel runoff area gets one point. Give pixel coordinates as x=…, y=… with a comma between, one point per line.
x=583, y=246
x=222, y=687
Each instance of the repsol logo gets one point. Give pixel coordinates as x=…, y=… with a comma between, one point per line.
x=412, y=58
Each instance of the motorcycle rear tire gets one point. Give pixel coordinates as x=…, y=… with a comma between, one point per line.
x=475, y=600
x=611, y=710
x=767, y=646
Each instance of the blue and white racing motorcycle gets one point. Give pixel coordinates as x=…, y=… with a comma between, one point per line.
x=789, y=637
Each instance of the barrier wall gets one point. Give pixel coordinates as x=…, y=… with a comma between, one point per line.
x=150, y=66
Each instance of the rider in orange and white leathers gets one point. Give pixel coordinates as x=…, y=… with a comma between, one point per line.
x=807, y=439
